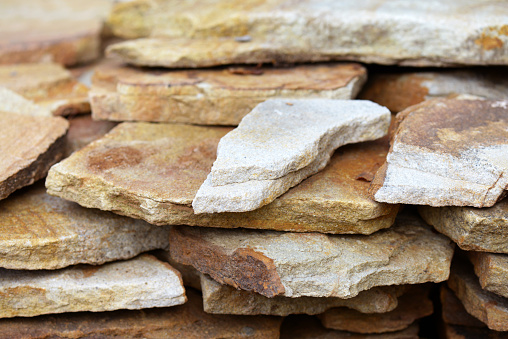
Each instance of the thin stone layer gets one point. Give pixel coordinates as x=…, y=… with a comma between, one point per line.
x=468, y=332
x=453, y=312
x=11, y=101
x=153, y=171
x=492, y=270
x=312, y=264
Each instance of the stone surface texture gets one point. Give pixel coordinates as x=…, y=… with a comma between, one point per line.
x=473, y=229
x=412, y=306
x=453, y=312
x=29, y=147
x=447, y=152
x=11, y=101
x=49, y=85
x=385, y=32
x=468, y=332
x=492, y=271
x=138, y=283
x=83, y=130
x=213, y=96
x=312, y=264
x=38, y=231
x=280, y=143
x=153, y=171
x=483, y=305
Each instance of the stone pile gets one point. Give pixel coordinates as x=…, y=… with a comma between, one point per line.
x=256, y=198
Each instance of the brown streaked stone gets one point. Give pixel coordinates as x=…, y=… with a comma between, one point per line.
x=29, y=147
x=473, y=229
x=138, y=283
x=468, y=332
x=453, y=312
x=447, y=152
x=212, y=97
x=492, y=271
x=153, y=171
x=83, y=130
x=313, y=264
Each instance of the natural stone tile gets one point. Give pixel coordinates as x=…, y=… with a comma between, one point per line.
x=383, y=32
x=38, y=231
x=30, y=146
x=453, y=312
x=398, y=91
x=312, y=264
x=142, y=282
x=279, y=144
x=182, y=321
x=83, y=130
x=153, y=171
x=224, y=299
x=447, y=152
x=10, y=101
x=492, y=270
x=473, y=229
x=213, y=96
x=467, y=332
x=59, y=31
x=49, y=85
x=484, y=305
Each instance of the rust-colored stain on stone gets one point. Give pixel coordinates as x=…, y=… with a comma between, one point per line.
x=115, y=158
x=488, y=43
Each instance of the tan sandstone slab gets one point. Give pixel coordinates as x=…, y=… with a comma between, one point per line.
x=483, y=305
x=453, y=312
x=49, y=85
x=153, y=171
x=182, y=321
x=83, y=130
x=29, y=147
x=398, y=91
x=447, y=152
x=65, y=32
x=138, y=283
x=385, y=32
x=312, y=264
x=213, y=96
x=11, y=101
x=492, y=271
x=413, y=305
x=38, y=231
x=473, y=229
x=467, y=332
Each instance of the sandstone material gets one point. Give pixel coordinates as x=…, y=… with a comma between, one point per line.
x=153, y=171
x=384, y=32
x=312, y=264
x=224, y=299
x=466, y=332
x=142, y=282
x=38, y=231
x=10, y=101
x=447, y=152
x=492, y=270
x=484, y=305
x=29, y=147
x=83, y=130
x=412, y=306
x=182, y=321
x=280, y=143
x=49, y=85
x=65, y=32
x=453, y=312
x=473, y=229
x=190, y=276
x=216, y=96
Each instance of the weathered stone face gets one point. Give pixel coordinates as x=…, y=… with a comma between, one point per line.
x=473, y=229
x=10, y=101
x=212, y=97
x=492, y=270
x=312, y=264
x=447, y=152
x=467, y=332
x=153, y=171
x=142, y=282
x=30, y=146
x=453, y=312
x=38, y=231
x=83, y=130
x=386, y=32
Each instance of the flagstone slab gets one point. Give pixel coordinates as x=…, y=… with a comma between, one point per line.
x=492, y=271
x=447, y=152
x=153, y=171
x=138, y=283
x=453, y=312
x=384, y=32
x=473, y=229
x=11, y=101
x=312, y=264
x=83, y=130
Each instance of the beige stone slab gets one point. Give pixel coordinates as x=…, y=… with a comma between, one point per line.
x=473, y=229
x=213, y=96
x=138, y=283
x=492, y=270
x=312, y=264
x=453, y=312
x=447, y=152
x=385, y=32
x=49, y=85
x=413, y=305
x=13, y=102
x=83, y=130
x=467, y=332
x=483, y=305
x=38, y=231
x=153, y=171
x=182, y=321
x=29, y=147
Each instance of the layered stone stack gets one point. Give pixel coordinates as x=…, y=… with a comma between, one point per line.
x=247, y=168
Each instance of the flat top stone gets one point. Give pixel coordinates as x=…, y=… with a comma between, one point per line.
x=312, y=264
x=492, y=270
x=10, y=101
